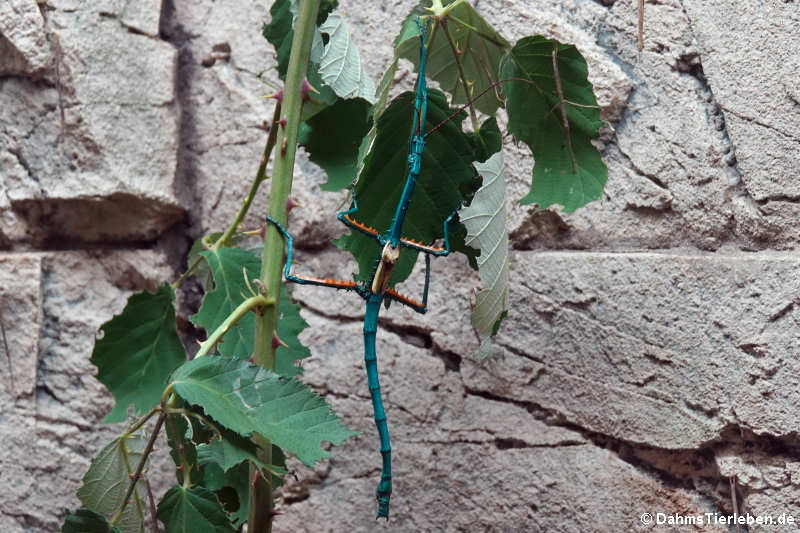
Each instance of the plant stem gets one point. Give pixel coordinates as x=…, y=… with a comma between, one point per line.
x=261, y=175
x=261, y=508
x=232, y=319
x=139, y=468
x=139, y=423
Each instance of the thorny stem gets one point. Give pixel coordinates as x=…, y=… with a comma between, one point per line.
x=139, y=423
x=189, y=272
x=153, y=508
x=261, y=176
x=254, y=302
x=140, y=467
x=261, y=508
x=457, y=54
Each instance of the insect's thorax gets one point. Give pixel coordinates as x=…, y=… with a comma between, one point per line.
x=389, y=256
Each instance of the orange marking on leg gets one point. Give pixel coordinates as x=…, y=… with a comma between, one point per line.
x=364, y=227
x=404, y=299
x=329, y=281
x=429, y=247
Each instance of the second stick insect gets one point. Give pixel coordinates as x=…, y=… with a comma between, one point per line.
x=377, y=290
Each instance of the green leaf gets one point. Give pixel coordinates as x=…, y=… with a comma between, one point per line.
x=569, y=170
x=485, y=219
x=195, y=509
x=87, y=521
x=481, y=50
x=326, y=7
x=106, y=482
x=232, y=488
x=447, y=179
x=290, y=325
x=229, y=267
x=487, y=140
x=339, y=63
x=138, y=351
x=246, y=398
x=381, y=98
x=280, y=30
x=181, y=448
x=227, y=473
x=332, y=139
x=201, y=271
x=228, y=450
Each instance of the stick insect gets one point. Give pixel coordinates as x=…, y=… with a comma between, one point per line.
x=378, y=290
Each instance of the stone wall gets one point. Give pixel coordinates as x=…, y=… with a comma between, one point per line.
x=651, y=347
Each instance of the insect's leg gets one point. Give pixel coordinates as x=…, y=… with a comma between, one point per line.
x=409, y=302
x=307, y=280
x=347, y=218
x=430, y=249
x=353, y=210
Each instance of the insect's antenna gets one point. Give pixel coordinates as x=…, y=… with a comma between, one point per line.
x=479, y=95
x=423, y=30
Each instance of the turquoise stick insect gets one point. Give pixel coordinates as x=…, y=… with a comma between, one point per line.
x=378, y=291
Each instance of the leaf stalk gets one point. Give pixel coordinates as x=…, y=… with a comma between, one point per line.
x=257, y=301
x=139, y=468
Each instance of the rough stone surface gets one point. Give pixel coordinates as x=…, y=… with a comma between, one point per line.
x=97, y=137
x=649, y=359
x=52, y=306
x=23, y=42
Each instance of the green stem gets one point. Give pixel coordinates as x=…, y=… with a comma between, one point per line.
x=205, y=420
x=139, y=423
x=261, y=508
x=189, y=272
x=237, y=314
x=261, y=175
x=137, y=474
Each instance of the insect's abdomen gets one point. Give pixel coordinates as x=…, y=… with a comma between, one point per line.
x=384, y=491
